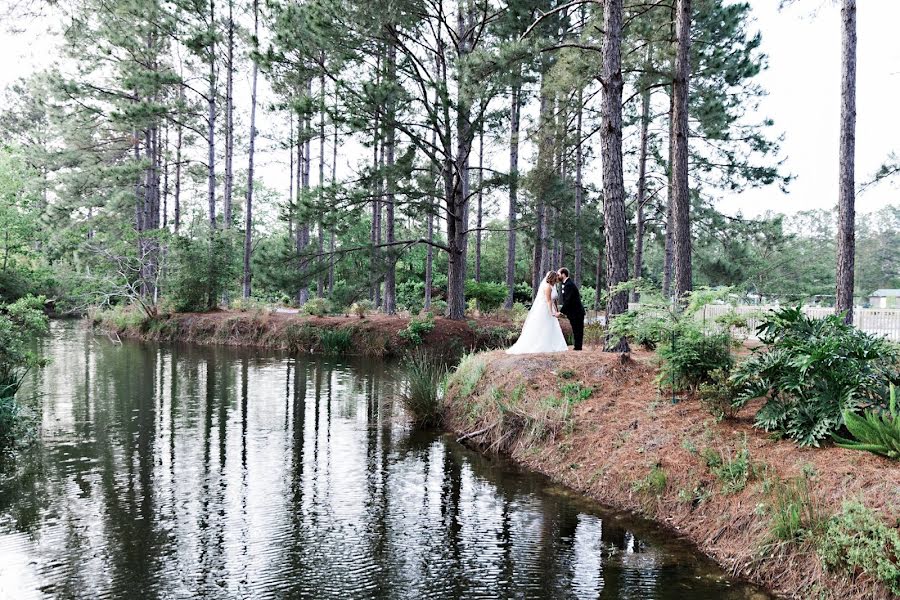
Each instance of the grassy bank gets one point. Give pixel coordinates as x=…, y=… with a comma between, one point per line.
x=806, y=523
x=374, y=335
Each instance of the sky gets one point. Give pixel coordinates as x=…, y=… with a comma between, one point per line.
x=803, y=45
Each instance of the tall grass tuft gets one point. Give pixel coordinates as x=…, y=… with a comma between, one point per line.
x=795, y=513
x=423, y=397
x=335, y=341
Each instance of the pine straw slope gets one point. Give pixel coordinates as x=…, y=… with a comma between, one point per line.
x=630, y=448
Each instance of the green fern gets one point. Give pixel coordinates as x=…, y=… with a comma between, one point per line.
x=877, y=432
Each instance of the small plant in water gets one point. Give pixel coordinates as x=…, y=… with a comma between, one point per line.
x=423, y=396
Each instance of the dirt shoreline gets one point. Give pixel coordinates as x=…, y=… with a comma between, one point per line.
x=630, y=448
x=375, y=335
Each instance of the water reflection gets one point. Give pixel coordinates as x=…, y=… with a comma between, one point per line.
x=190, y=472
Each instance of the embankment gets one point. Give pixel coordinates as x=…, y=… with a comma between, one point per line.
x=596, y=423
x=374, y=335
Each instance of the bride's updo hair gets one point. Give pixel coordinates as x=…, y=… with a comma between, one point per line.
x=552, y=277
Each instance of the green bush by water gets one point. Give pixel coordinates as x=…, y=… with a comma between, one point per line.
x=20, y=323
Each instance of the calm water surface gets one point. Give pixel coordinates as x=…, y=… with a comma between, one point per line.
x=190, y=472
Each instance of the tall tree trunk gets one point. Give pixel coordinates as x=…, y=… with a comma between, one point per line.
x=379, y=224
x=681, y=204
x=320, y=280
x=304, y=185
x=248, y=211
x=293, y=174
x=165, y=171
x=458, y=217
x=847, y=159
x=211, y=117
x=613, y=185
x=229, y=123
x=545, y=168
x=479, y=211
x=177, y=198
x=641, y=192
x=429, y=249
x=514, y=123
x=669, y=257
x=579, y=188
x=390, y=275
x=334, y=156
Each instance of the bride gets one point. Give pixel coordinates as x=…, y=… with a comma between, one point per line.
x=541, y=331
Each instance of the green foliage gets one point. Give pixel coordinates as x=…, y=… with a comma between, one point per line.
x=20, y=323
x=203, y=268
x=732, y=471
x=717, y=395
x=488, y=295
x=411, y=295
x=795, y=514
x=811, y=372
x=654, y=483
x=316, y=307
x=875, y=431
x=361, y=308
x=336, y=341
x=693, y=358
x=417, y=328
x=122, y=317
x=438, y=308
x=422, y=397
x=856, y=540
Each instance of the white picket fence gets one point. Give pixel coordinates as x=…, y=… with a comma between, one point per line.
x=877, y=321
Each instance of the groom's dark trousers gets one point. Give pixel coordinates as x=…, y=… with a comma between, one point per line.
x=574, y=311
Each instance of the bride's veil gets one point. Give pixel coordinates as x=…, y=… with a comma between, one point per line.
x=537, y=303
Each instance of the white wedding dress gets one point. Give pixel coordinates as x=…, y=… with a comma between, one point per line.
x=541, y=331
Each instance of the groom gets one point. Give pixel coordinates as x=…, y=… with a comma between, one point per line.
x=571, y=307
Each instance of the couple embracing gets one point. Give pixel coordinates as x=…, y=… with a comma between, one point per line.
x=541, y=331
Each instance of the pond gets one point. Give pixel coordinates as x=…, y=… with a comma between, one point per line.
x=198, y=472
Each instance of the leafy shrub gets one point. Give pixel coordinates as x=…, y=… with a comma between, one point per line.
x=438, y=308
x=693, y=357
x=875, y=431
x=857, y=540
x=812, y=371
x=587, y=297
x=20, y=323
x=411, y=295
x=316, y=307
x=488, y=295
x=523, y=293
x=336, y=341
x=422, y=397
x=361, y=308
x=718, y=394
x=418, y=327
x=201, y=271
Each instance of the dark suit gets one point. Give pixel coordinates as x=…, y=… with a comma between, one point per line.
x=571, y=306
